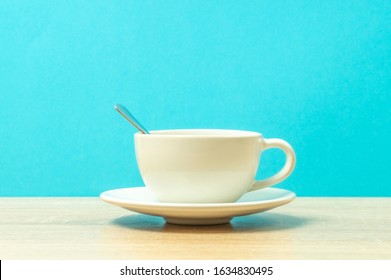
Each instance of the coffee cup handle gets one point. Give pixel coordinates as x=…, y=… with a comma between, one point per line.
x=286, y=169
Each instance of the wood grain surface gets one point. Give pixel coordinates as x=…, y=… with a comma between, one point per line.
x=88, y=228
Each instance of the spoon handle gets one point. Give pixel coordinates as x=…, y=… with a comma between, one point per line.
x=130, y=118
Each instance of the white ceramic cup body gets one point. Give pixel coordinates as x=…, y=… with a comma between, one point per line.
x=204, y=165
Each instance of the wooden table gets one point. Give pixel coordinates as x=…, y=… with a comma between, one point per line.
x=88, y=228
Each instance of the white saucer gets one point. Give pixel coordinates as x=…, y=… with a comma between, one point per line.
x=139, y=199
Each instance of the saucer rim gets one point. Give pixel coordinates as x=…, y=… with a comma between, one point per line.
x=287, y=197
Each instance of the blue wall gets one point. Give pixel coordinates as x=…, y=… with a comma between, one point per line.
x=316, y=73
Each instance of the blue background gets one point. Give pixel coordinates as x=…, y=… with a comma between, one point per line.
x=315, y=73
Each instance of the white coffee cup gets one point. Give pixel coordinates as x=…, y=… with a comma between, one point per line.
x=205, y=165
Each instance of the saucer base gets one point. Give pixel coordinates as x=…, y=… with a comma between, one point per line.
x=141, y=200
x=197, y=222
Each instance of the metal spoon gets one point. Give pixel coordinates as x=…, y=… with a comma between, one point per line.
x=130, y=118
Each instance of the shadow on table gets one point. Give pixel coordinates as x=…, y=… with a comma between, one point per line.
x=257, y=222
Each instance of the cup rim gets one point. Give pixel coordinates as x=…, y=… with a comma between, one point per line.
x=199, y=133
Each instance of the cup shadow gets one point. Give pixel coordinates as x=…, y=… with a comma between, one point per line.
x=256, y=222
